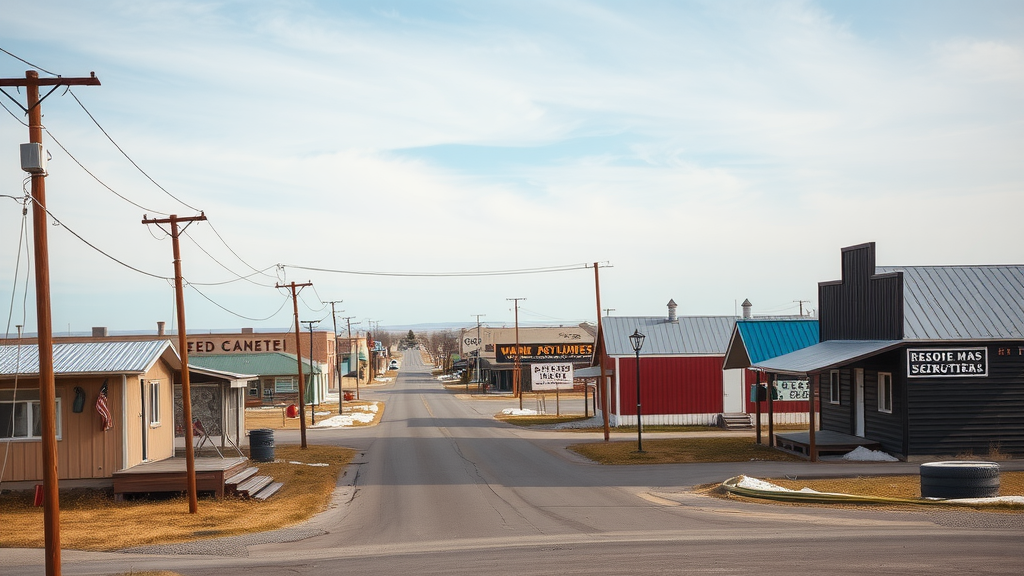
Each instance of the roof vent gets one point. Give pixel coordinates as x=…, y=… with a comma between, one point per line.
x=161, y=328
x=746, y=309
x=99, y=331
x=672, y=311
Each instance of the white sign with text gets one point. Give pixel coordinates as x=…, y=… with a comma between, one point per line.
x=554, y=376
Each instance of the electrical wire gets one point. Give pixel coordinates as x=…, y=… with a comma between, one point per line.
x=57, y=222
x=221, y=238
x=125, y=154
x=15, y=116
x=310, y=308
x=233, y=313
x=22, y=236
x=101, y=182
x=518, y=272
x=16, y=57
x=238, y=276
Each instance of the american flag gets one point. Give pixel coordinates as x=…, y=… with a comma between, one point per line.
x=103, y=409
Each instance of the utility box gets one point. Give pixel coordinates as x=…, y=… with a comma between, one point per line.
x=33, y=158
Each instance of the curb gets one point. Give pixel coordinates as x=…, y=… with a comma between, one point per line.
x=732, y=486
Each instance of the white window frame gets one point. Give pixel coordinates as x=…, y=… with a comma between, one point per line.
x=289, y=380
x=834, y=390
x=885, y=392
x=32, y=409
x=154, y=403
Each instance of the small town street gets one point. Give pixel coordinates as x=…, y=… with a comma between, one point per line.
x=440, y=486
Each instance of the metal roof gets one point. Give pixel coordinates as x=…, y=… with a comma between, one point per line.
x=689, y=335
x=825, y=355
x=758, y=340
x=961, y=302
x=89, y=357
x=265, y=364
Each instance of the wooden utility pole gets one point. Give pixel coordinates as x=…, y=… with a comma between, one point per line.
x=186, y=389
x=517, y=369
x=337, y=365
x=312, y=412
x=479, y=349
x=302, y=384
x=44, y=323
x=602, y=386
x=353, y=359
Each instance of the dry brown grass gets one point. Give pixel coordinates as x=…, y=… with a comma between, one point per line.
x=274, y=418
x=680, y=450
x=92, y=520
x=1010, y=484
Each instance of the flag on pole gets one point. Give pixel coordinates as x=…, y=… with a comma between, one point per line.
x=103, y=409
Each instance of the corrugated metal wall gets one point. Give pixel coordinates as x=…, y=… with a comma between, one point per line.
x=681, y=385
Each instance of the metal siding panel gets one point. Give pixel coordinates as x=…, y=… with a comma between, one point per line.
x=672, y=385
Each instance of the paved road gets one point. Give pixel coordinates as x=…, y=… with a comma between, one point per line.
x=441, y=487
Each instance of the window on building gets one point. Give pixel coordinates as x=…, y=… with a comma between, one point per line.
x=885, y=392
x=833, y=387
x=285, y=385
x=154, y=402
x=21, y=415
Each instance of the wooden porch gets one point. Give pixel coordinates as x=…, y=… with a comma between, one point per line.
x=170, y=475
x=826, y=443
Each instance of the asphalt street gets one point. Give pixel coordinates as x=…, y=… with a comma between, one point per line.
x=440, y=486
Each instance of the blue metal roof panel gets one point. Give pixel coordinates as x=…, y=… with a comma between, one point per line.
x=689, y=335
x=766, y=339
x=961, y=302
x=86, y=357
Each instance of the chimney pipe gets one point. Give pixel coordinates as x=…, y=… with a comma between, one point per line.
x=672, y=311
x=746, y=309
x=160, y=328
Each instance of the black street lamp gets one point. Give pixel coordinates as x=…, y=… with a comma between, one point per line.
x=636, y=340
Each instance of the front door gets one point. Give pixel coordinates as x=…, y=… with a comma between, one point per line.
x=732, y=381
x=858, y=402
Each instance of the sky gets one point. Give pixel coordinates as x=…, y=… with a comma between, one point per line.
x=704, y=152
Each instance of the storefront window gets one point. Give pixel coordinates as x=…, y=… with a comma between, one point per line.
x=885, y=392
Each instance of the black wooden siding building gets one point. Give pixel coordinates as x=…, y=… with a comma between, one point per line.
x=927, y=361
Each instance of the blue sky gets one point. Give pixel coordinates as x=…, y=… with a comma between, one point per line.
x=709, y=151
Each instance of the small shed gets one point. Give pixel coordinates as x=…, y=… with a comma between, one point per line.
x=135, y=380
x=218, y=402
x=924, y=360
x=682, y=381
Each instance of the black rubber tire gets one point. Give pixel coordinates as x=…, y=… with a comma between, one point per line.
x=959, y=479
x=960, y=469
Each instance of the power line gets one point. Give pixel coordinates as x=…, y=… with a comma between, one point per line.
x=13, y=115
x=125, y=154
x=222, y=265
x=212, y=301
x=16, y=57
x=522, y=271
x=221, y=238
x=101, y=182
x=57, y=222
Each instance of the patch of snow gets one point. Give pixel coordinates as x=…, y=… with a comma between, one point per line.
x=862, y=454
x=1019, y=500
x=314, y=464
x=518, y=412
x=342, y=420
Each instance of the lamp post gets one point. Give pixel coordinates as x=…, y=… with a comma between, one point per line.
x=636, y=340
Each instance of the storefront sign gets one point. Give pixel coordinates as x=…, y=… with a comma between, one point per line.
x=789, y=390
x=581, y=352
x=228, y=346
x=551, y=376
x=947, y=362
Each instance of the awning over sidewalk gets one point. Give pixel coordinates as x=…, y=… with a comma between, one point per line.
x=825, y=355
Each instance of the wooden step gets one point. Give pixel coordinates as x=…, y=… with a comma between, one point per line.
x=269, y=491
x=231, y=484
x=253, y=485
